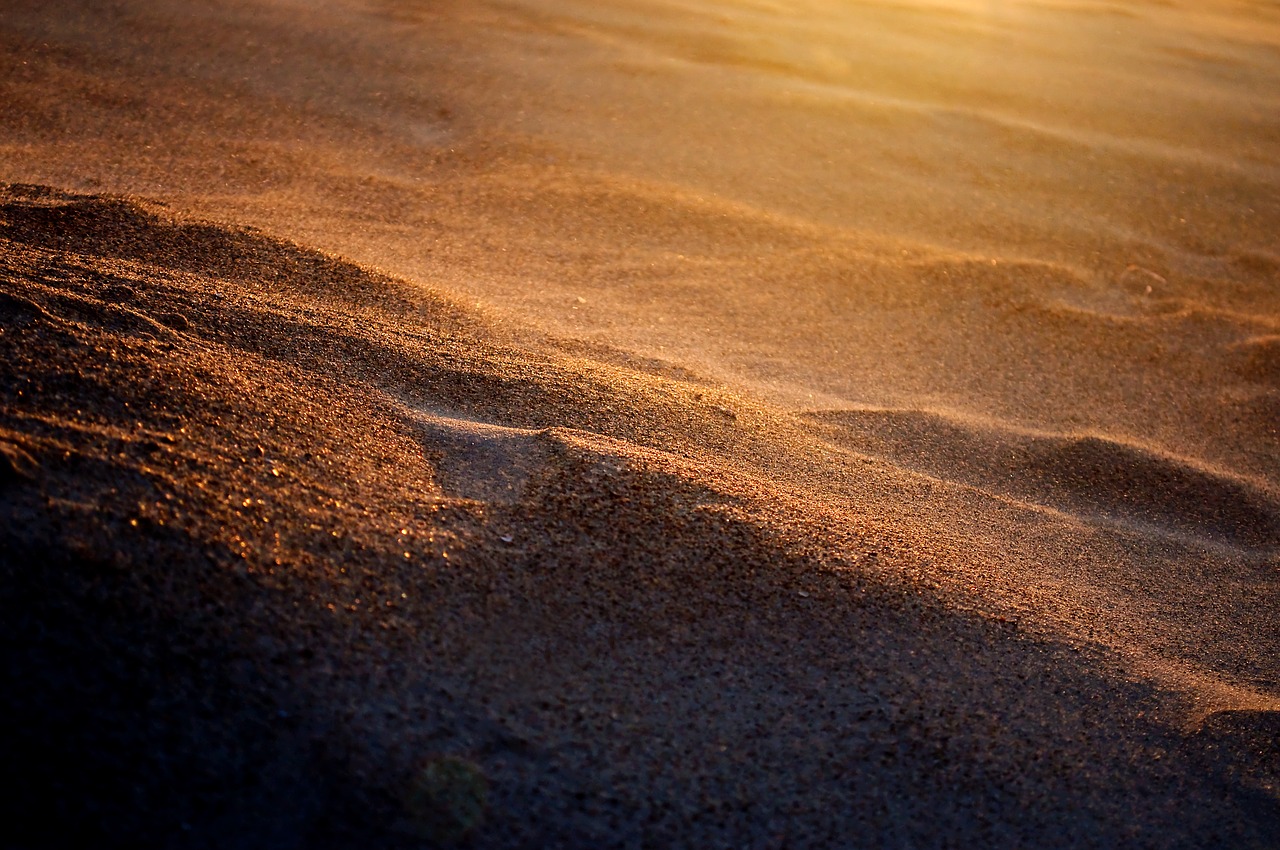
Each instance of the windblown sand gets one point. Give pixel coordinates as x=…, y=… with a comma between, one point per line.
x=723, y=424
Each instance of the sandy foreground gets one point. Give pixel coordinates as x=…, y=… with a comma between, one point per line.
x=718, y=424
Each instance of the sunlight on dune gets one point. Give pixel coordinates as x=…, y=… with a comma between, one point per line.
x=735, y=399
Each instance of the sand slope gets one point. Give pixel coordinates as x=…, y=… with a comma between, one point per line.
x=726, y=423
x=269, y=544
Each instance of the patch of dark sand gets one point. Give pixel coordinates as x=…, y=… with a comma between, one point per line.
x=1246, y=744
x=254, y=578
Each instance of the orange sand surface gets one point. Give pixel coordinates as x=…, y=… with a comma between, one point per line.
x=739, y=423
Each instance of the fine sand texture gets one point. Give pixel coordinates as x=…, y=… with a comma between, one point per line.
x=723, y=423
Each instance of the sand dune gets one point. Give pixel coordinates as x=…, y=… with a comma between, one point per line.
x=720, y=423
x=252, y=434
x=1091, y=475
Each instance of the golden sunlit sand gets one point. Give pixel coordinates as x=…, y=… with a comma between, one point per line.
x=744, y=424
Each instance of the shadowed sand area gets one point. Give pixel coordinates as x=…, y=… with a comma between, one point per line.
x=725, y=424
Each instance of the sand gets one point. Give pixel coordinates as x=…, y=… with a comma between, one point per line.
x=720, y=424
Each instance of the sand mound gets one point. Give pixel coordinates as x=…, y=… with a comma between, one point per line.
x=1092, y=476
x=278, y=529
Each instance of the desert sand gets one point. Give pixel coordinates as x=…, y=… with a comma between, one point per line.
x=724, y=423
